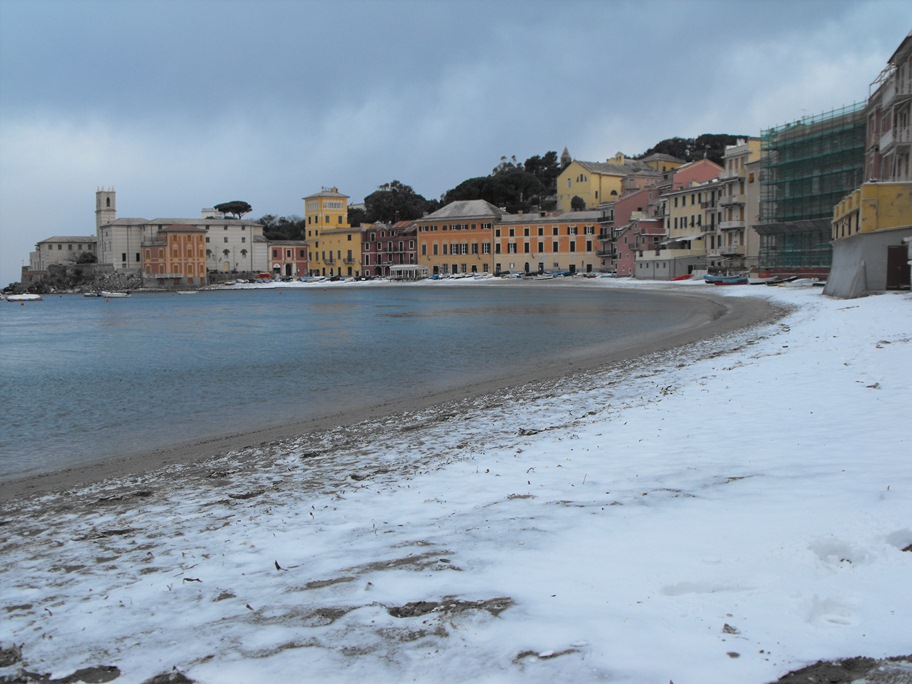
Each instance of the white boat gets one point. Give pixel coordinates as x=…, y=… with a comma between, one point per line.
x=114, y=295
x=187, y=291
x=24, y=297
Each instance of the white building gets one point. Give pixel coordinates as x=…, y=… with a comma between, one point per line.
x=60, y=250
x=232, y=245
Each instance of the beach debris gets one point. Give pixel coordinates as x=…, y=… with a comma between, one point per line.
x=11, y=655
x=277, y=566
x=728, y=629
x=246, y=495
x=450, y=605
x=173, y=677
x=534, y=656
x=193, y=579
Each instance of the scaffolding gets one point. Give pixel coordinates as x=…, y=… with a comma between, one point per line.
x=806, y=168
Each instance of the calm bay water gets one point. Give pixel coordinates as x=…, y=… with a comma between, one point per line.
x=84, y=379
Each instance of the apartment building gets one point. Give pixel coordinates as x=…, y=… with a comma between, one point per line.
x=288, y=258
x=871, y=227
x=457, y=238
x=542, y=242
x=175, y=255
x=385, y=249
x=735, y=245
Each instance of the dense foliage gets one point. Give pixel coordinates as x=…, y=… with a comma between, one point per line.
x=236, y=208
x=707, y=146
x=283, y=227
x=393, y=202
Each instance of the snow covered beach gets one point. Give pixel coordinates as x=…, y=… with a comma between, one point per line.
x=725, y=512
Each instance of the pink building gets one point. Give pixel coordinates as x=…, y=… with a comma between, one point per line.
x=633, y=238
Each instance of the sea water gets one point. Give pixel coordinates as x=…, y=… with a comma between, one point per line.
x=88, y=379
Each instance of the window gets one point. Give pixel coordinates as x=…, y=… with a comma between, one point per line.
x=496, y=248
x=526, y=247
x=541, y=231
x=474, y=248
x=511, y=248
x=526, y=232
x=555, y=247
x=486, y=248
x=226, y=238
x=123, y=255
x=554, y=230
x=497, y=232
x=573, y=245
x=435, y=249
x=588, y=245
x=512, y=232
x=445, y=248
x=541, y=246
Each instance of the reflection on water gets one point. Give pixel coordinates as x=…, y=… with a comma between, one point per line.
x=85, y=378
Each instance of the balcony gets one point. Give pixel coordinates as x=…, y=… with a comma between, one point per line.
x=731, y=250
x=886, y=140
x=729, y=200
x=731, y=225
x=348, y=260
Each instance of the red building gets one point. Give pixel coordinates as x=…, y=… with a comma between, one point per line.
x=384, y=246
x=288, y=258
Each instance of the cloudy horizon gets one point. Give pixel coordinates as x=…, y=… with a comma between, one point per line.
x=182, y=105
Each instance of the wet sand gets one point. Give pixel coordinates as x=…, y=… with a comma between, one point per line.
x=715, y=316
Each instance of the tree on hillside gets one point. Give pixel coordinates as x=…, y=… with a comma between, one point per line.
x=546, y=168
x=515, y=190
x=283, y=228
x=236, y=208
x=513, y=185
x=392, y=202
x=707, y=146
x=505, y=166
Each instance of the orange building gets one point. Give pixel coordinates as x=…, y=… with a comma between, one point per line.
x=457, y=238
x=542, y=242
x=176, y=255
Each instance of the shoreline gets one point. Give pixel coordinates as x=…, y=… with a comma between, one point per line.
x=721, y=315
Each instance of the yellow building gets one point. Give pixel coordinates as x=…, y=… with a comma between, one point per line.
x=596, y=182
x=873, y=207
x=333, y=246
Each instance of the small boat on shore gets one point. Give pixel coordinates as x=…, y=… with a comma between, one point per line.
x=726, y=280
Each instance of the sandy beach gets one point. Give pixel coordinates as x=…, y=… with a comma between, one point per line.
x=683, y=510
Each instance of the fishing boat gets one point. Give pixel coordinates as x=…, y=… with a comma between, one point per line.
x=27, y=297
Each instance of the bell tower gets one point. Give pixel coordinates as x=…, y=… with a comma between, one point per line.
x=105, y=207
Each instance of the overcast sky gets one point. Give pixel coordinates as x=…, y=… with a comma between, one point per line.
x=183, y=104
